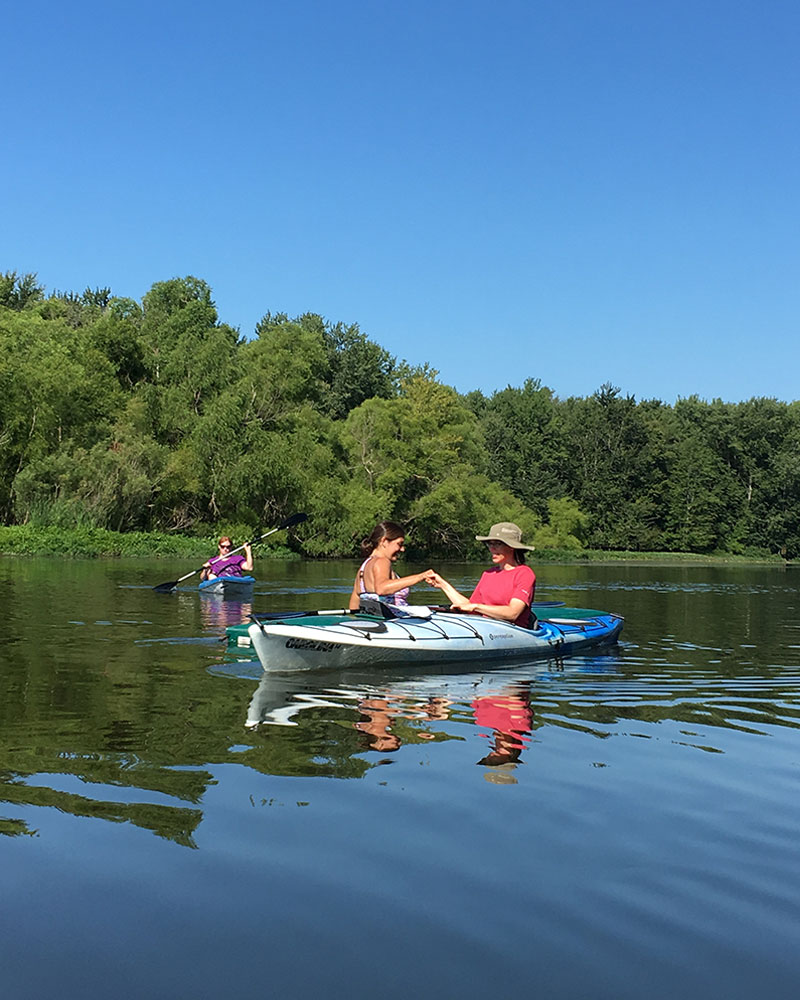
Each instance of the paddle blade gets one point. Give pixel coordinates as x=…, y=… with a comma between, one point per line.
x=291, y=521
x=166, y=588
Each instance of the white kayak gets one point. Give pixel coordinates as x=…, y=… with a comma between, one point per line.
x=418, y=635
x=227, y=585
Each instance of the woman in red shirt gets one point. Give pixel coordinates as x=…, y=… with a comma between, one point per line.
x=506, y=590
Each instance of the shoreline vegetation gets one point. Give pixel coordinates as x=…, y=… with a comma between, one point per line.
x=148, y=427
x=100, y=543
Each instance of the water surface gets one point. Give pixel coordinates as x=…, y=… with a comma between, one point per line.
x=175, y=824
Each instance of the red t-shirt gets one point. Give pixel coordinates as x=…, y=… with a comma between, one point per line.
x=499, y=586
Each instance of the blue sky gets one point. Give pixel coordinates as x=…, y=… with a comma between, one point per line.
x=579, y=191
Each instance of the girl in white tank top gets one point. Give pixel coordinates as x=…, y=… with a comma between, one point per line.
x=376, y=576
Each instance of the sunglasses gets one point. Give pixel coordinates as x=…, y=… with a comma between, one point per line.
x=224, y=546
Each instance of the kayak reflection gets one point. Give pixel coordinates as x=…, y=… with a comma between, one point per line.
x=412, y=709
x=219, y=611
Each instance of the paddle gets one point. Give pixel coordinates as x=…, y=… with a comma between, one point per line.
x=165, y=588
x=280, y=615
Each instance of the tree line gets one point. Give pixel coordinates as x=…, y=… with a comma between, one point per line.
x=157, y=416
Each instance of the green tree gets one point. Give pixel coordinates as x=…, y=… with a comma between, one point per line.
x=56, y=391
x=358, y=370
x=19, y=291
x=422, y=453
x=565, y=529
x=782, y=525
x=611, y=469
x=117, y=333
x=524, y=442
x=698, y=490
x=758, y=429
x=190, y=357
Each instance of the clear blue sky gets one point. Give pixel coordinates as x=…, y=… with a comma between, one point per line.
x=578, y=191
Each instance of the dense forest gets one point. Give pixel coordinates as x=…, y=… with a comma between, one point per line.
x=157, y=416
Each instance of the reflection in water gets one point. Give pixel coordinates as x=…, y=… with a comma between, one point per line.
x=219, y=611
x=659, y=788
x=510, y=717
x=275, y=702
x=598, y=695
x=172, y=822
x=409, y=711
x=381, y=714
x=376, y=724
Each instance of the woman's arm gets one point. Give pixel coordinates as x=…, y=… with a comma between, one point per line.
x=503, y=612
x=378, y=577
x=450, y=591
x=248, y=563
x=355, y=596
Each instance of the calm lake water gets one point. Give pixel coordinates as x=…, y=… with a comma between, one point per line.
x=172, y=825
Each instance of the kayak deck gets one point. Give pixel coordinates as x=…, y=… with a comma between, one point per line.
x=302, y=640
x=238, y=635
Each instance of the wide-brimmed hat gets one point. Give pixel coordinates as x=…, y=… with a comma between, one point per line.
x=506, y=532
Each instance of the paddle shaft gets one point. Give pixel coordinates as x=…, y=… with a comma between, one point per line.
x=279, y=615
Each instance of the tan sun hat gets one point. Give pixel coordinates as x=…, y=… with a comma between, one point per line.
x=506, y=532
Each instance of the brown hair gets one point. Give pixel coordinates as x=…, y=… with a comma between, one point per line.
x=384, y=529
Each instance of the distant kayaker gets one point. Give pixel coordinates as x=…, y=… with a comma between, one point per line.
x=506, y=590
x=376, y=576
x=225, y=564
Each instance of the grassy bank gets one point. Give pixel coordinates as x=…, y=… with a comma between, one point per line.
x=89, y=543
x=27, y=540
